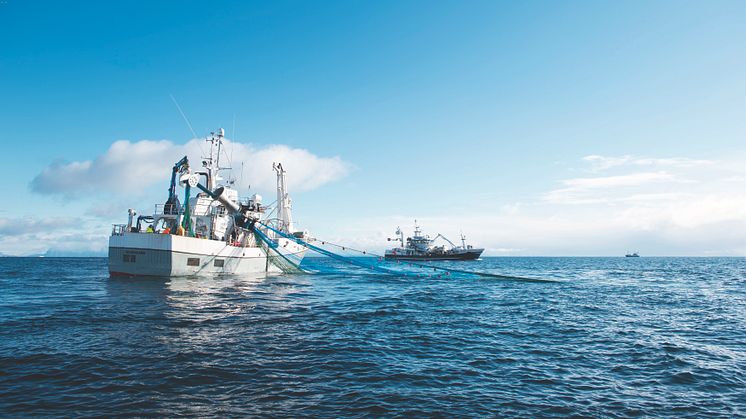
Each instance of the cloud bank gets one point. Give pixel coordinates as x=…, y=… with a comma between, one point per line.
x=131, y=167
x=601, y=163
x=28, y=225
x=655, y=205
x=658, y=206
x=31, y=235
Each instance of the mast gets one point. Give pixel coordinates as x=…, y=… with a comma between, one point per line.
x=284, y=205
x=212, y=162
x=400, y=236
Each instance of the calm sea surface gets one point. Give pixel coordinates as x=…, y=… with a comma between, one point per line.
x=617, y=337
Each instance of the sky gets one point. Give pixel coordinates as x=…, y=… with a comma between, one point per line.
x=536, y=128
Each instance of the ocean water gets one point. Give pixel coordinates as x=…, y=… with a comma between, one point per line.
x=615, y=338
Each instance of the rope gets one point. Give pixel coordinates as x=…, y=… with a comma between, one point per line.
x=393, y=272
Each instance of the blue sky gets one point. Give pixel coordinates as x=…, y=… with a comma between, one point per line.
x=537, y=128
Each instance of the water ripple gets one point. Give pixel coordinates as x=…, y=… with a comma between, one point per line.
x=615, y=338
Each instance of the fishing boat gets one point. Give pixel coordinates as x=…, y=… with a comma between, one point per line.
x=214, y=232
x=419, y=247
x=632, y=255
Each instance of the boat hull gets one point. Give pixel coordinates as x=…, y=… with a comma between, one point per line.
x=470, y=254
x=141, y=254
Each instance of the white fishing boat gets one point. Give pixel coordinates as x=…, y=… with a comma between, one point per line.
x=214, y=232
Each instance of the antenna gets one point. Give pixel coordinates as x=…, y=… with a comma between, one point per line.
x=242, y=175
x=233, y=141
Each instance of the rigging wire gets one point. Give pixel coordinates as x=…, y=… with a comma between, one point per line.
x=189, y=124
x=325, y=252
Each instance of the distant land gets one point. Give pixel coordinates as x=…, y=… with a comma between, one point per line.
x=58, y=254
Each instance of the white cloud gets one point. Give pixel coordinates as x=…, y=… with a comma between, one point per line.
x=107, y=210
x=33, y=235
x=591, y=189
x=305, y=170
x=601, y=163
x=131, y=167
x=125, y=166
x=23, y=226
x=130, y=174
x=687, y=211
x=622, y=180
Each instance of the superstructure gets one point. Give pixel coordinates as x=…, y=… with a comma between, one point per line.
x=213, y=232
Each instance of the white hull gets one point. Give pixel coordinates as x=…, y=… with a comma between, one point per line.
x=148, y=254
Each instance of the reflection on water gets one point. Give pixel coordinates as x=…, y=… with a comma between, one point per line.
x=200, y=311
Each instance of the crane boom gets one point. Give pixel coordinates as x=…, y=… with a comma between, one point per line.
x=444, y=238
x=172, y=203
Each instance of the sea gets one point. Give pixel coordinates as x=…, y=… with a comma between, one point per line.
x=598, y=337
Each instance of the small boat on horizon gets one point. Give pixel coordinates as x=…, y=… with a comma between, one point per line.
x=632, y=255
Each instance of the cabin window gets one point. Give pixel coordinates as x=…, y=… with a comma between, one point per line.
x=128, y=258
x=193, y=262
x=219, y=263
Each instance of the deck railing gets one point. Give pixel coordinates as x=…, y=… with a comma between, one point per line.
x=118, y=229
x=171, y=209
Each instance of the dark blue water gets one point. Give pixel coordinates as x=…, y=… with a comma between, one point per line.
x=619, y=337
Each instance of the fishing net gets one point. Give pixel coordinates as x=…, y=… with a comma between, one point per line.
x=286, y=262
x=375, y=263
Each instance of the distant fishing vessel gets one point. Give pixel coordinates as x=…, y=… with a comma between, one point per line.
x=419, y=247
x=212, y=233
x=632, y=255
